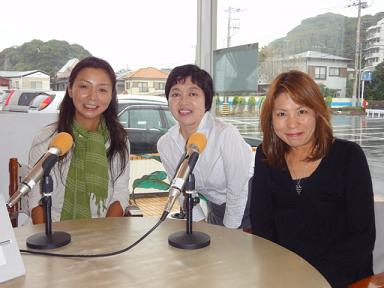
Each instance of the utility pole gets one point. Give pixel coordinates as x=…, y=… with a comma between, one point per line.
x=230, y=25
x=356, y=81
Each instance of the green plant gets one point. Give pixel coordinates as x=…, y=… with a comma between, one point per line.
x=252, y=101
x=236, y=100
x=242, y=101
x=328, y=100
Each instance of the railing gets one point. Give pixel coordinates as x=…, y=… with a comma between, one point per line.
x=375, y=112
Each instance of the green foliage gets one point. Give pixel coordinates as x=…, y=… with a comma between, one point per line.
x=375, y=89
x=236, y=100
x=252, y=101
x=328, y=100
x=242, y=101
x=47, y=56
x=328, y=33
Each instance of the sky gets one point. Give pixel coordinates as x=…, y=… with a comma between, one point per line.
x=162, y=34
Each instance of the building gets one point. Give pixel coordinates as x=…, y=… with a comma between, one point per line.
x=34, y=79
x=147, y=81
x=373, y=53
x=62, y=75
x=329, y=71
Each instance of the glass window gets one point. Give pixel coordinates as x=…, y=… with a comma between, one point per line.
x=144, y=119
x=333, y=71
x=171, y=121
x=320, y=73
x=36, y=84
x=143, y=86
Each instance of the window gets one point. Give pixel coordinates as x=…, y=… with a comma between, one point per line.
x=159, y=85
x=127, y=85
x=143, y=86
x=144, y=119
x=334, y=71
x=36, y=84
x=171, y=121
x=320, y=73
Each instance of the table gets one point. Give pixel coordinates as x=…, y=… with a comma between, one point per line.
x=233, y=259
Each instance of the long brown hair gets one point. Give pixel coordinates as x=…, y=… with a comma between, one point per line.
x=304, y=91
x=117, y=134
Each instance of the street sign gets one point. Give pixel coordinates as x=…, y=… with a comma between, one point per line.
x=366, y=76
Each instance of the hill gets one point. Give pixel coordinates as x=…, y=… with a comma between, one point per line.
x=47, y=56
x=328, y=33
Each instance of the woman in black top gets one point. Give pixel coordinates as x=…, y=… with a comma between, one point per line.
x=312, y=193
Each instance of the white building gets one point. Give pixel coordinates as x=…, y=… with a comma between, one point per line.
x=374, y=46
x=34, y=79
x=326, y=69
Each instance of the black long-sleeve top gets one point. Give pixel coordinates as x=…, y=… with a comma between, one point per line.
x=331, y=223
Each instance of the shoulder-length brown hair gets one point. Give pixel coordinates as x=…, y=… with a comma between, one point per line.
x=303, y=91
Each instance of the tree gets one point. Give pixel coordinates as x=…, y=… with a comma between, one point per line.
x=375, y=89
x=47, y=56
x=251, y=104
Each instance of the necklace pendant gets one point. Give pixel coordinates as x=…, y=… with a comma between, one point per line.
x=299, y=188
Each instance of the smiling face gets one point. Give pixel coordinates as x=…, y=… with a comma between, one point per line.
x=187, y=104
x=293, y=123
x=91, y=93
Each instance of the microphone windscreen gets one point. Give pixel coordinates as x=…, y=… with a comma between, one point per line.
x=198, y=140
x=62, y=141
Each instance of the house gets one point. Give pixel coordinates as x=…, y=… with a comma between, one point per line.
x=147, y=81
x=373, y=52
x=329, y=71
x=62, y=75
x=34, y=79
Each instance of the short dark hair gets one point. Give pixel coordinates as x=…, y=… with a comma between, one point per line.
x=304, y=91
x=117, y=134
x=199, y=77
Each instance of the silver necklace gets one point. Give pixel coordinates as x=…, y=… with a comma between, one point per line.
x=298, y=187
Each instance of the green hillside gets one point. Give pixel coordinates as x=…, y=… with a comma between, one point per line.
x=47, y=56
x=328, y=33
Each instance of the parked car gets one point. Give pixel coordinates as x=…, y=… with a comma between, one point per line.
x=44, y=103
x=125, y=100
x=146, y=119
x=3, y=95
x=19, y=100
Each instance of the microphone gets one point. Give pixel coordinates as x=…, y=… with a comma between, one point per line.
x=195, y=145
x=59, y=146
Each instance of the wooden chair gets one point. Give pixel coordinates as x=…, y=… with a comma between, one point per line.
x=13, y=185
x=373, y=281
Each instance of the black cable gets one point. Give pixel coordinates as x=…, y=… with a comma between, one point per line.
x=95, y=255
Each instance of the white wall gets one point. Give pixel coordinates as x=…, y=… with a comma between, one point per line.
x=17, y=131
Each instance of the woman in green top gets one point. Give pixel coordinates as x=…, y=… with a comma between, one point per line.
x=92, y=179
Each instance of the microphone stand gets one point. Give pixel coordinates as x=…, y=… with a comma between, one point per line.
x=49, y=239
x=189, y=239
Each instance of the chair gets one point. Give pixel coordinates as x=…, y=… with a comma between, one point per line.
x=13, y=185
x=373, y=281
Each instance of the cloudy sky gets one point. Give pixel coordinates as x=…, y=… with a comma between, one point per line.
x=155, y=33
